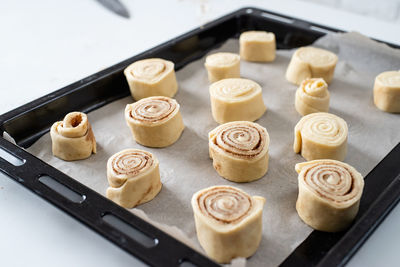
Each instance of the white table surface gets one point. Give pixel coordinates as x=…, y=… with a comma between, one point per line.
x=46, y=45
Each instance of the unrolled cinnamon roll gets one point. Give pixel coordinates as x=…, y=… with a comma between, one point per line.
x=312, y=96
x=133, y=176
x=151, y=77
x=228, y=222
x=329, y=194
x=321, y=136
x=155, y=121
x=387, y=91
x=310, y=62
x=236, y=99
x=73, y=138
x=257, y=46
x=222, y=66
x=239, y=150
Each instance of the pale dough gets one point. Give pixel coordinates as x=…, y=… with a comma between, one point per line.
x=222, y=66
x=329, y=194
x=228, y=222
x=310, y=62
x=387, y=91
x=239, y=150
x=73, y=138
x=133, y=176
x=259, y=46
x=321, y=136
x=312, y=96
x=151, y=77
x=155, y=121
x=236, y=99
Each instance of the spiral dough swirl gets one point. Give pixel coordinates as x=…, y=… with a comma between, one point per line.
x=316, y=56
x=323, y=128
x=331, y=180
x=148, y=69
x=153, y=109
x=311, y=62
x=315, y=87
x=225, y=204
x=73, y=138
x=75, y=124
x=243, y=139
x=222, y=59
x=235, y=88
x=131, y=162
x=329, y=194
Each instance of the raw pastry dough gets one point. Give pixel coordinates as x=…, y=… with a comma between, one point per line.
x=133, y=176
x=329, y=194
x=228, y=222
x=311, y=62
x=257, y=46
x=312, y=96
x=151, y=77
x=236, y=99
x=321, y=136
x=222, y=66
x=73, y=138
x=387, y=91
x=239, y=150
x=155, y=121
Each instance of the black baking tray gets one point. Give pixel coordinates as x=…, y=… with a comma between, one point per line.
x=154, y=247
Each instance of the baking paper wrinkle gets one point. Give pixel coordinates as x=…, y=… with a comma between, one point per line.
x=186, y=167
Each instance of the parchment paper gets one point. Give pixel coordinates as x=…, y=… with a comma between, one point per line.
x=186, y=167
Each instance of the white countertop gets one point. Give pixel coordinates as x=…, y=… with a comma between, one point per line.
x=46, y=45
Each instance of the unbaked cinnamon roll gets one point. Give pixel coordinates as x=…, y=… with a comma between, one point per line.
x=387, y=91
x=259, y=46
x=155, y=121
x=310, y=62
x=151, y=77
x=236, y=99
x=321, y=136
x=222, y=66
x=73, y=138
x=312, y=96
x=329, y=194
x=228, y=222
x=133, y=176
x=239, y=150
